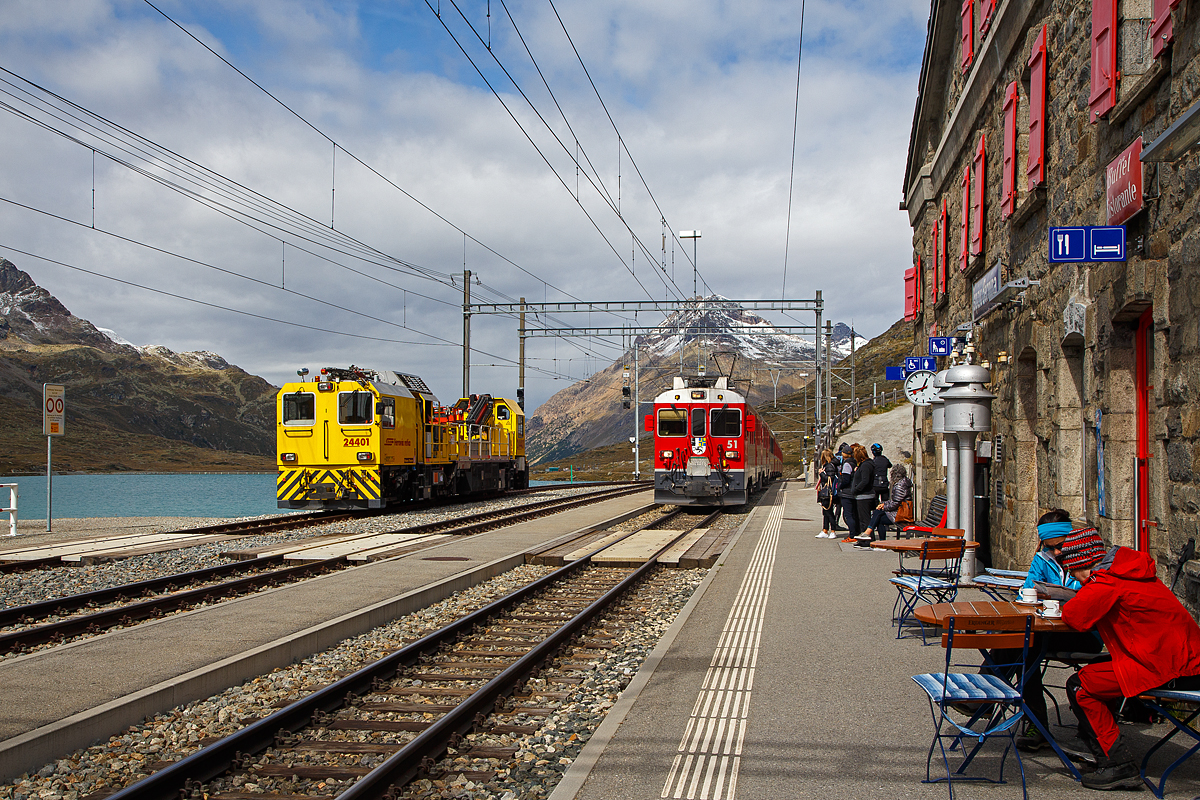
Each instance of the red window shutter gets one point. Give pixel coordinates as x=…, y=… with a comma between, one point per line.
x=967, y=54
x=944, y=247
x=977, y=216
x=910, y=295
x=964, y=246
x=934, y=284
x=986, y=10
x=1104, y=58
x=1162, y=32
x=1008, y=178
x=1036, y=169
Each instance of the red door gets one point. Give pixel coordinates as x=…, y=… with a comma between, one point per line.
x=1143, y=352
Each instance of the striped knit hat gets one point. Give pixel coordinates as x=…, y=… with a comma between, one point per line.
x=1082, y=549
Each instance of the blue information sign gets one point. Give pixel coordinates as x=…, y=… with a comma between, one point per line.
x=912, y=363
x=1087, y=243
x=893, y=373
x=939, y=345
x=929, y=363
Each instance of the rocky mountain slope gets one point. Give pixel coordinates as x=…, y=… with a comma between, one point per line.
x=128, y=407
x=768, y=361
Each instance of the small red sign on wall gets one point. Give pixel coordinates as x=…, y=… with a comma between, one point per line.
x=1124, y=179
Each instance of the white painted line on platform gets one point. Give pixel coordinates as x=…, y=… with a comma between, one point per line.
x=709, y=754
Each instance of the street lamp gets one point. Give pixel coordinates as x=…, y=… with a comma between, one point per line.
x=693, y=235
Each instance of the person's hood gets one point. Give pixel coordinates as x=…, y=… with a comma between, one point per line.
x=1133, y=565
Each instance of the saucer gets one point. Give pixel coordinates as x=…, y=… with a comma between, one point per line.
x=1044, y=615
x=1037, y=603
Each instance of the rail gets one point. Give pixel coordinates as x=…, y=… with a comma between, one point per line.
x=850, y=414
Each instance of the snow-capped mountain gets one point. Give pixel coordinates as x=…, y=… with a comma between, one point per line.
x=767, y=361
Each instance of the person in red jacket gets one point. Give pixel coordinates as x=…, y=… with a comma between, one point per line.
x=1151, y=636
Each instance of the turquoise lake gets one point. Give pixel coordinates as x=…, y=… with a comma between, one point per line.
x=148, y=495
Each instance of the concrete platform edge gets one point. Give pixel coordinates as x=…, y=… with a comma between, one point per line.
x=573, y=779
x=32, y=750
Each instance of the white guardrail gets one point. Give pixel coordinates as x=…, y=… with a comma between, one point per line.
x=12, y=506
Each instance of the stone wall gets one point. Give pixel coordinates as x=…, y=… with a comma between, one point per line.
x=1063, y=357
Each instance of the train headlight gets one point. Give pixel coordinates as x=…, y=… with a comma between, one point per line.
x=365, y=455
x=732, y=455
x=667, y=455
x=288, y=457
x=325, y=386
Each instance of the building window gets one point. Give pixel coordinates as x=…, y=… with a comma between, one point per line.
x=987, y=10
x=910, y=294
x=977, y=201
x=944, y=247
x=968, y=34
x=964, y=245
x=1162, y=32
x=934, y=257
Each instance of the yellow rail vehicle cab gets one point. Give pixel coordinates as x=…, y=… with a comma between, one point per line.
x=360, y=438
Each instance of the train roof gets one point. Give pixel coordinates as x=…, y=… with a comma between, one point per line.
x=685, y=382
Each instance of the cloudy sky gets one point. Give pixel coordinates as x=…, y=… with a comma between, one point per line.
x=323, y=227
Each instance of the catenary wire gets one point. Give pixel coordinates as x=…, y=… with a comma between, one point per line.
x=787, y=237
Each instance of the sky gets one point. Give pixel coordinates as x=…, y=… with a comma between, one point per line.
x=325, y=216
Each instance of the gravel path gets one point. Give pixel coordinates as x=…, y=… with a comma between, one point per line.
x=892, y=429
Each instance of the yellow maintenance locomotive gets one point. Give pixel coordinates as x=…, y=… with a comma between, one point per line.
x=361, y=438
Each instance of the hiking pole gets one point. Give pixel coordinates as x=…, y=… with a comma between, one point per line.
x=1189, y=550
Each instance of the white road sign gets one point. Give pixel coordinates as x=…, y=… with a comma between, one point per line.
x=54, y=415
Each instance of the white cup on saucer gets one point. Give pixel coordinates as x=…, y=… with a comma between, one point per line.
x=1028, y=595
x=1051, y=608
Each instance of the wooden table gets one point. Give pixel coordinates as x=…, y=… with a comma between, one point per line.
x=936, y=614
x=914, y=545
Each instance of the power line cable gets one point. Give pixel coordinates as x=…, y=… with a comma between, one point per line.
x=787, y=237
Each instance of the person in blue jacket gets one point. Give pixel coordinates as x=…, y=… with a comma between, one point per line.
x=1053, y=529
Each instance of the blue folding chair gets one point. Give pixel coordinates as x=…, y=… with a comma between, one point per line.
x=999, y=587
x=997, y=703
x=936, y=581
x=1154, y=698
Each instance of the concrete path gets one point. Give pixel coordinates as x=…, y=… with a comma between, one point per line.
x=825, y=707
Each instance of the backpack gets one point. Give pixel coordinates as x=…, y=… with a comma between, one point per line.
x=825, y=490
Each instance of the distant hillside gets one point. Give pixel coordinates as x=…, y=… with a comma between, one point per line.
x=128, y=408
x=615, y=461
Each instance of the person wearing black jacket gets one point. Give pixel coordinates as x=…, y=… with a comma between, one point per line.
x=882, y=468
x=862, y=490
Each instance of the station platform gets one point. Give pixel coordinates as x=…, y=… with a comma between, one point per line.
x=63, y=698
x=816, y=699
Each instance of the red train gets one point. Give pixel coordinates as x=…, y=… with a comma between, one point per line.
x=710, y=446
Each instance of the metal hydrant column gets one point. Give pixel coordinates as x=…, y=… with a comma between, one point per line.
x=968, y=405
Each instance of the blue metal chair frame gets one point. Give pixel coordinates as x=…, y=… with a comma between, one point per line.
x=929, y=584
x=1153, y=698
x=992, y=693
x=999, y=587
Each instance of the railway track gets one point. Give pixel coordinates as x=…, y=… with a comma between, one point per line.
x=169, y=594
x=387, y=723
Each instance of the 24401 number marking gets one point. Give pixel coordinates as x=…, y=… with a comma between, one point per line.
x=355, y=441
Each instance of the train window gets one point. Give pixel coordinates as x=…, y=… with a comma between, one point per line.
x=354, y=408
x=501, y=412
x=300, y=408
x=672, y=422
x=727, y=422
x=387, y=412
x=697, y=422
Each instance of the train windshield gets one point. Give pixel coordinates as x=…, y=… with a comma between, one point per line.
x=300, y=408
x=727, y=422
x=355, y=408
x=672, y=422
x=697, y=422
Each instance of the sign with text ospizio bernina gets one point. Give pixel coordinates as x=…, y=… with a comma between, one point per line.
x=54, y=415
x=1124, y=179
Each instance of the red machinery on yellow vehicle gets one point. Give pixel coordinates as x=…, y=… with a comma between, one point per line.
x=360, y=438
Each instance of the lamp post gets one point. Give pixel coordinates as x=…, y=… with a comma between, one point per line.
x=693, y=235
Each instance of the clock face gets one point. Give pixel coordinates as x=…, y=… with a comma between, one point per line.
x=918, y=388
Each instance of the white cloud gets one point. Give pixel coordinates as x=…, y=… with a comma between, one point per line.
x=702, y=91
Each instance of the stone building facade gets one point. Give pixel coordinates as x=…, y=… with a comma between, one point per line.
x=1030, y=116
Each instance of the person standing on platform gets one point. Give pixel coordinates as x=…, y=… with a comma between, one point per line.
x=862, y=490
x=882, y=466
x=1151, y=636
x=827, y=481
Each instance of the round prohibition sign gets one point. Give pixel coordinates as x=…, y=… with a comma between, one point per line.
x=54, y=405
